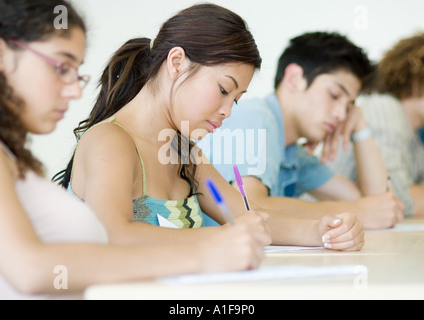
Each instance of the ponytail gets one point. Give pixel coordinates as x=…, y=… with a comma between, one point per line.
x=124, y=76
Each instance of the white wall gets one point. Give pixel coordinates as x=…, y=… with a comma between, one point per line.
x=374, y=25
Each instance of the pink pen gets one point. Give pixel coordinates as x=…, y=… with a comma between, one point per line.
x=241, y=188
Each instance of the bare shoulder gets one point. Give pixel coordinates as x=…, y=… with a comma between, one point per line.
x=105, y=153
x=107, y=141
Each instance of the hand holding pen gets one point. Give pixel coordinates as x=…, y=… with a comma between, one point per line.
x=240, y=240
x=254, y=222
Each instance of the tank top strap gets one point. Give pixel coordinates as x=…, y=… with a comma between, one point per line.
x=113, y=120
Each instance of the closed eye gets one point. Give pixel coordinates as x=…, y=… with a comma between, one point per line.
x=223, y=91
x=334, y=96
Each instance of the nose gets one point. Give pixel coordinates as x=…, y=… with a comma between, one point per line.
x=72, y=91
x=225, y=110
x=340, y=112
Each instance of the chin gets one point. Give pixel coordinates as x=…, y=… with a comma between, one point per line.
x=318, y=136
x=198, y=134
x=46, y=129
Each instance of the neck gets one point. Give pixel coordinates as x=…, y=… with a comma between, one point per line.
x=291, y=131
x=145, y=116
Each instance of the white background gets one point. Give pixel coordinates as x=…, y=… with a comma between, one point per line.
x=374, y=25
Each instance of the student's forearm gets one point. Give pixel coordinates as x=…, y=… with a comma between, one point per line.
x=147, y=234
x=289, y=230
x=371, y=170
x=302, y=208
x=65, y=268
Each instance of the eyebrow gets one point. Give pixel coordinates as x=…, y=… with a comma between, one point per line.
x=235, y=82
x=69, y=56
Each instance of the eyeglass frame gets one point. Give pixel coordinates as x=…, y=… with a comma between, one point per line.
x=59, y=66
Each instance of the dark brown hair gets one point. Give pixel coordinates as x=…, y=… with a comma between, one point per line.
x=401, y=70
x=325, y=52
x=26, y=20
x=209, y=34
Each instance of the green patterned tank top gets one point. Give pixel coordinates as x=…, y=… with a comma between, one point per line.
x=185, y=213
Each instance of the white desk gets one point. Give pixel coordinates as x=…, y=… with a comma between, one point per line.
x=395, y=262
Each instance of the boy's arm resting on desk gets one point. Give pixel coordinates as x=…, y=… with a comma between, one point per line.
x=336, y=189
x=259, y=194
x=381, y=211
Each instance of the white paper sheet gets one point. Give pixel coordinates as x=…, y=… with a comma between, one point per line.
x=269, y=273
x=274, y=248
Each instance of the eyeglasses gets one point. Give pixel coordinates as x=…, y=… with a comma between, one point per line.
x=66, y=72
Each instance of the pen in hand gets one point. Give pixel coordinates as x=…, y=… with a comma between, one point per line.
x=241, y=188
x=220, y=202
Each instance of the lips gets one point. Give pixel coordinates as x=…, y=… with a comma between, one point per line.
x=60, y=113
x=330, y=127
x=213, y=125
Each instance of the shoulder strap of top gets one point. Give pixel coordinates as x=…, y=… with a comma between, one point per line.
x=112, y=120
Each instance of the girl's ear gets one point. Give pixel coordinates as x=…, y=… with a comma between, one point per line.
x=293, y=77
x=176, y=62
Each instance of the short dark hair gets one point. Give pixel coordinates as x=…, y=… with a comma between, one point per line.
x=323, y=52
